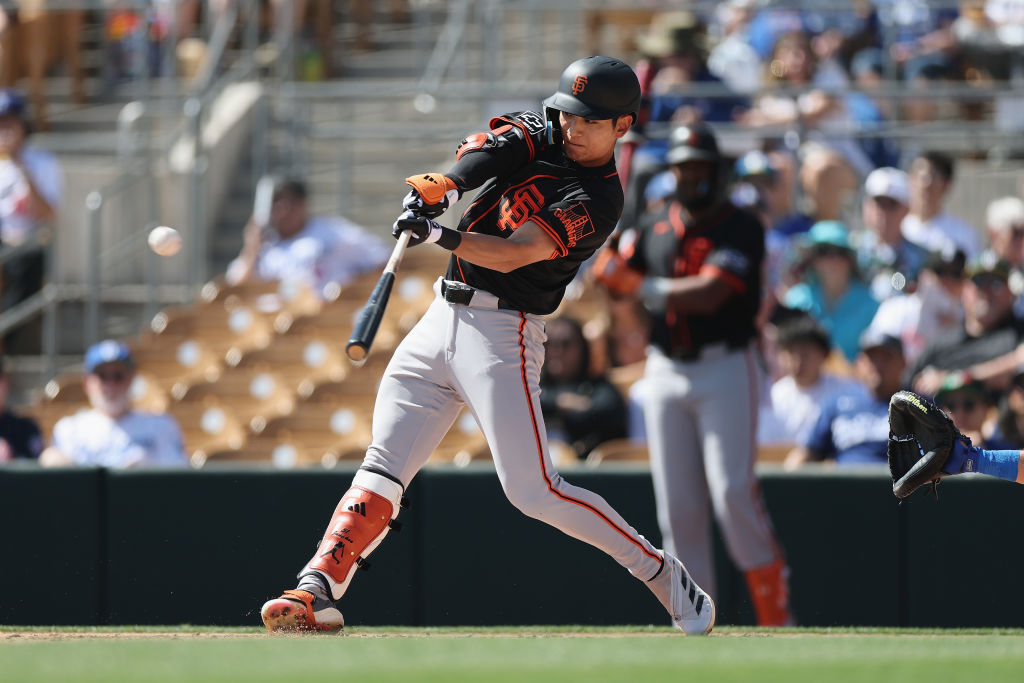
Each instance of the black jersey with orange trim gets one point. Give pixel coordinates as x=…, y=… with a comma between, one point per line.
x=577, y=206
x=728, y=244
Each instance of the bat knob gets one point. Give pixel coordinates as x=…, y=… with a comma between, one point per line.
x=356, y=352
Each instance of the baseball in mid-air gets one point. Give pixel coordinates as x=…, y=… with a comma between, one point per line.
x=164, y=240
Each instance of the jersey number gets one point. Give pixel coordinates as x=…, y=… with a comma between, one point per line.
x=514, y=211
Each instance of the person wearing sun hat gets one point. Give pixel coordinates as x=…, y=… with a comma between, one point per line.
x=113, y=434
x=831, y=289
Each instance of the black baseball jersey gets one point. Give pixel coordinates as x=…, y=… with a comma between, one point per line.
x=728, y=244
x=577, y=206
x=21, y=434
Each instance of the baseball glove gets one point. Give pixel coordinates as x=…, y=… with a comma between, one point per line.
x=921, y=438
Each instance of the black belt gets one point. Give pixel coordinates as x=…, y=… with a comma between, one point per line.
x=460, y=293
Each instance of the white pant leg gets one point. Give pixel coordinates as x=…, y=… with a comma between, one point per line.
x=677, y=471
x=415, y=405
x=728, y=418
x=499, y=355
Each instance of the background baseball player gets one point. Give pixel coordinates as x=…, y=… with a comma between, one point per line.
x=550, y=196
x=702, y=257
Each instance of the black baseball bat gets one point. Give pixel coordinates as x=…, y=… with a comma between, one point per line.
x=368, y=322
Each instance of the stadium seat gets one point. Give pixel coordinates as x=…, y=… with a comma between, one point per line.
x=208, y=426
x=253, y=395
x=618, y=450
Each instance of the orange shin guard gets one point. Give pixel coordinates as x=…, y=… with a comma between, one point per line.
x=360, y=522
x=769, y=591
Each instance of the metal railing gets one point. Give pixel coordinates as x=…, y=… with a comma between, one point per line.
x=450, y=77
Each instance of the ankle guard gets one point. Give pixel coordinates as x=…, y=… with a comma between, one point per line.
x=360, y=522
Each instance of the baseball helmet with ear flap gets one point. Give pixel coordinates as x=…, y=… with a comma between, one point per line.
x=697, y=143
x=596, y=88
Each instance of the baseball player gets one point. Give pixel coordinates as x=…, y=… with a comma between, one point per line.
x=549, y=197
x=696, y=263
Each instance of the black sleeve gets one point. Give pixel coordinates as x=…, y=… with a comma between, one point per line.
x=605, y=419
x=513, y=141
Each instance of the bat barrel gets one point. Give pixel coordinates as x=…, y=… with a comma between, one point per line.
x=368, y=322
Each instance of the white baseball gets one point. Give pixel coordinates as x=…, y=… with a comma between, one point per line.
x=164, y=241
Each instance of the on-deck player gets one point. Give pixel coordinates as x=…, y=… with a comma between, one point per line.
x=702, y=257
x=550, y=196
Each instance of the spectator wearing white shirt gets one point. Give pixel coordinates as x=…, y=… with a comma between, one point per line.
x=797, y=396
x=297, y=248
x=112, y=434
x=928, y=223
x=31, y=190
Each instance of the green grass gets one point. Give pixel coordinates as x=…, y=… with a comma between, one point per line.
x=189, y=653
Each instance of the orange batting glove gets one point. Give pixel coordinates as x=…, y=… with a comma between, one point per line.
x=611, y=271
x=431, y=194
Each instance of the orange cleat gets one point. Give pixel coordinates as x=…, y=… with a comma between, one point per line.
x=301, y=611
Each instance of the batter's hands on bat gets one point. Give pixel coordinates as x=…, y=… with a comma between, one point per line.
x=431, y=194
x=422, y=229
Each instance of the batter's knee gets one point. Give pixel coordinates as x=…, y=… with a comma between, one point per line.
x=532, y=500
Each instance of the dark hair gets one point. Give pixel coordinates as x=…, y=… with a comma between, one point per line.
x=576, y=330
x=800, y=330
x=291, y=187
x=942, y=163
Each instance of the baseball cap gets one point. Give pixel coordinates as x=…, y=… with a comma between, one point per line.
x=987, y=264
x=832, y=233
x=754, y=163
x=108, y=351
x=888, y=182
x=874, y=338
x=12, y=103
x=958, y=381
x=948, y=261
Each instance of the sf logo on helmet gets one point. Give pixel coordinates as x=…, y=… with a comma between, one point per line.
x=579, y=84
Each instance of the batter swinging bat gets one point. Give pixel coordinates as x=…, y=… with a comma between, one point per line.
x=373, y=310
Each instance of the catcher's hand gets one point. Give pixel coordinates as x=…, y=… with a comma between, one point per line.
x=921, y=438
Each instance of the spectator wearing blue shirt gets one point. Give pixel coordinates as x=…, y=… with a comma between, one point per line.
x=832, y=290
x=854, y=429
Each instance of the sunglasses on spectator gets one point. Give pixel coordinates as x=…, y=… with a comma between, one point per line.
x=988, y=281
x=954, y=404
x=116, y=376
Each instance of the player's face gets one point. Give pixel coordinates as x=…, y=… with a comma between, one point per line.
x=694, y=182
x=591, y=142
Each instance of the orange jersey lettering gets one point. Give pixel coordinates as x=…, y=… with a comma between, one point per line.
x=525, y=202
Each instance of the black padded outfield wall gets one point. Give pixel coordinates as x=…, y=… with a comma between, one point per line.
x=208, y=547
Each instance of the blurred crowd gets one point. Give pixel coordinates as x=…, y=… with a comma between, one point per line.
x=871, y=282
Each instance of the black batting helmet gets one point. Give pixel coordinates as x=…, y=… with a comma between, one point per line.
x=597, y=88
x=697, y=143
x=692, y=143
